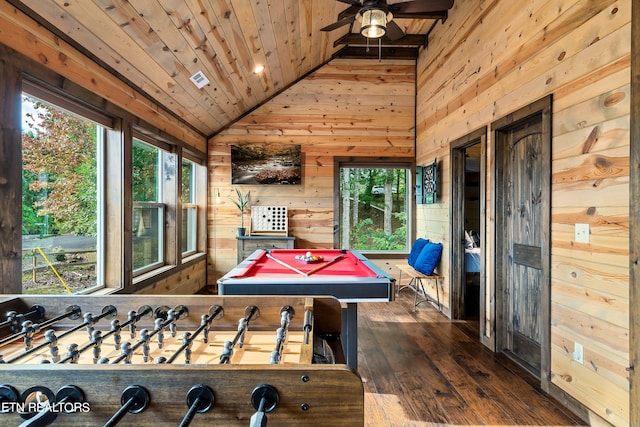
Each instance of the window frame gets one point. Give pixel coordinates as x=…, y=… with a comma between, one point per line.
x=104, y=124
x=377, y=163
x=186, y=207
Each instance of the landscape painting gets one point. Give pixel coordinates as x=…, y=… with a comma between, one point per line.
x=266, y=164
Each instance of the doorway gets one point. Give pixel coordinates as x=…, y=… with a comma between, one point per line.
x=468, y=225
x=522, y=210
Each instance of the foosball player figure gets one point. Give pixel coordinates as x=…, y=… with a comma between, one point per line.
x=159, y=326
x=126, y=351
x=12, y=320
x=50, y=336
x=103, y=361
x=133, y=318
x=96, y=340
x=73, y=353
x=116, y=329
x=144, y=339
x=204, y=322
x=160, y=360
x=90, y=322
x=242, y=329
x=187, y=342
x=172, y=317
x=225, y=356
x=29, y=330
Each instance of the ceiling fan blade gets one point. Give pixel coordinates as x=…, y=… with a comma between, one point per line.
x=420, y=6
x=394, y=32
x=344, y=21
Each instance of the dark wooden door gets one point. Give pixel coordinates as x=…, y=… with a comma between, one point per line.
x=524, y=226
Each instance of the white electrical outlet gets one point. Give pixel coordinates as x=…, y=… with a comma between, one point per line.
x=578, y=353
x=582, y=233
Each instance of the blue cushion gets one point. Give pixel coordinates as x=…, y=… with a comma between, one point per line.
x=429, y=258
x=416, y=249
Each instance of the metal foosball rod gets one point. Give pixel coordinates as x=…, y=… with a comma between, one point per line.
x=286, y=314
x=14, y=318
x=243, y=325
x=127, y=352
x=134, y=399
x=200, y=399
x=51, y=339
x=307, y=325
x=187, y=340
x=116, y=326
x=73, y=312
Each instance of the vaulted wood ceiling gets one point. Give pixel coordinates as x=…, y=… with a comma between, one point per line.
x=157, y=45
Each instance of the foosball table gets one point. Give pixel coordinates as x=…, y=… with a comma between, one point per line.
x=166, y=360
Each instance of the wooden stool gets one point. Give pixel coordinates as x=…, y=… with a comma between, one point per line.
x=416, y=284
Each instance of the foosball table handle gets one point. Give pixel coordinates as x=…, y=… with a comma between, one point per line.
x=134, y=400
x=264, y=399
x=67, y=393
x=200, y=399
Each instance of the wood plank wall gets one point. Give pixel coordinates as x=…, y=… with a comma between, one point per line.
x=492, y=57
x=347, y=108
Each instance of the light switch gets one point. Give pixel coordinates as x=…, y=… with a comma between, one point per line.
x=582, y=233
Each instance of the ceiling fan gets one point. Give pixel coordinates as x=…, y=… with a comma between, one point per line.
x=376, y=16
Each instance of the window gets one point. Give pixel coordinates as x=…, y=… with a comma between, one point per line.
x=189, y=208
x=374, y=208
x=62, y=203
x=152, y=167
x=94, y=193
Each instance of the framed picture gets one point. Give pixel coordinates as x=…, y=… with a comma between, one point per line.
x=256, y=164
x=430, y=183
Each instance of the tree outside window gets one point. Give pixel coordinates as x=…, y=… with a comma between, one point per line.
x=374, y=206
x=148, y=210
x=60, y=200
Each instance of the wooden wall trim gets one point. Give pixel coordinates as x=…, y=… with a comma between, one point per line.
x=634, y=222
x=10, y=177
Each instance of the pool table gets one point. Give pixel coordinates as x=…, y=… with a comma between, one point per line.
x=345, y=274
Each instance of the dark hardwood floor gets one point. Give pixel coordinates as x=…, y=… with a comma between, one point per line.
x=421, y=369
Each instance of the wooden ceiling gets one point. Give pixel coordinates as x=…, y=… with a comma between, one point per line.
x=157, y=45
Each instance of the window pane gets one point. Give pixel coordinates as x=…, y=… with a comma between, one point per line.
x=148, y=211
x=147, y=239
x=60, y=199
x=187, y=192
x=189, y=229
x=145, y=172
x=374, y=208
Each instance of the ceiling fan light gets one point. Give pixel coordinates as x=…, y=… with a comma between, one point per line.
x=374, y=23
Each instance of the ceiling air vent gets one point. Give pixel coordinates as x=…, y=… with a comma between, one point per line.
x=199, y=79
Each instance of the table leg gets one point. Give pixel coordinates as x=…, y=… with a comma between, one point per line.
x=350, y=334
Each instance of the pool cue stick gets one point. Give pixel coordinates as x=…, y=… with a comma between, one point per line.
x=320, y=267
x=284, y=264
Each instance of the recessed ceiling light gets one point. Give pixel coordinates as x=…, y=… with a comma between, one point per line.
x=258, y=69
x=199, y=79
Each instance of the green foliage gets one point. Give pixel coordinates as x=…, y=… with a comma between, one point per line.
x=367, y=236
x=145, y=172
x=376, y=210
x=59, y=171
x=241, y=201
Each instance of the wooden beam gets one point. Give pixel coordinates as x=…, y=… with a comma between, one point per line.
x=10, y=175
x=356, y=39
x=360, y=52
